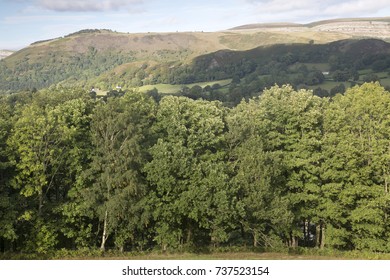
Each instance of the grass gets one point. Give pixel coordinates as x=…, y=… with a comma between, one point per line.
x=217, y=256
x=328, y=85
x=385, y=82
x=171, y=89
x=231, y=253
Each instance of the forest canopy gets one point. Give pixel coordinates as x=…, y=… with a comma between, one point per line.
x=135, y=172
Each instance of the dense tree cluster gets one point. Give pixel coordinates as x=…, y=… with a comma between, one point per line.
x=284, y=169
x=55, y=67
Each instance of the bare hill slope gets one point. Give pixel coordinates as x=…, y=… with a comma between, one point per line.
x=356, y=27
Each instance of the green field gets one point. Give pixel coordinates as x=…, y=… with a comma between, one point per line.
x=171, y=89
x=299, y=254
x=354, y=255
x=328, y=85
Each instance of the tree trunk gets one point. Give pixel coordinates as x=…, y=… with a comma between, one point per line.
x=318, y=235
x=255, y=239
x=104, y=235
x=322, y=245
x=294, y=242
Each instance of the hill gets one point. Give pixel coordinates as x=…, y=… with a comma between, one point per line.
x=105, y=59
x=357, y=27
x=297, y=64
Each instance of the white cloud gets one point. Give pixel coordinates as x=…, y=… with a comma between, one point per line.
x=356, y=7
x=86, y=5
x=28, y=19
x=307, y=10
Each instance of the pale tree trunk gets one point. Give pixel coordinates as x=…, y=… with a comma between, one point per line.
x=322, y=245
x=294, y=242
x=104, y=235
x=105, y=221
x=255, y=239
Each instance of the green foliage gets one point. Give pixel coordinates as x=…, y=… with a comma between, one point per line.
x=44, y=238
x=188, y=173
x=278, y=138
x=8, y=198
x=356, y=168
x=113, y=184
x=285, y=169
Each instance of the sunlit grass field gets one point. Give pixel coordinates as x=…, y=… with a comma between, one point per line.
x=235, y=254
x=167, y=88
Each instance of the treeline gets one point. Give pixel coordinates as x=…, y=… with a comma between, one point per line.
x=284, y=169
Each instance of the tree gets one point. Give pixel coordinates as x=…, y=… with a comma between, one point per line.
x=113, y=184
x=8, y=197
x=370, y=78
x=314, y=78
x=277, y=139
x=341, y=76
x=356, y=169
x=339, y=89
x=187, y=172
x=42, y=145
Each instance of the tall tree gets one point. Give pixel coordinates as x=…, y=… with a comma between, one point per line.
x=8, y=197
x=42, y=151
x=356, y=169
x=188, y=174
x=277, y=139
x=113, y=184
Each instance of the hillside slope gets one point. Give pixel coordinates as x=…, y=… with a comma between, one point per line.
x=357, y=27
x=106, y=58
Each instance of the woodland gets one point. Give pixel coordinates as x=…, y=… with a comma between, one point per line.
x=140, y=171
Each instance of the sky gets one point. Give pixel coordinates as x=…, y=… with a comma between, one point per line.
x=23, y=22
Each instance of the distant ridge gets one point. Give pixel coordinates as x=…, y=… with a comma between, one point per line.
x=358, y=27
x=311, y=24
x=267, y=25
x=5, y=53
x=338, y=20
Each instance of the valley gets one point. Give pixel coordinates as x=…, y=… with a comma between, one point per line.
x=105, y=59
x=261, y=138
